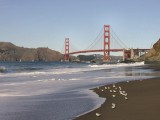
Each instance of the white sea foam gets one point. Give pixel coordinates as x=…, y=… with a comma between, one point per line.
x=68, y=87
x=72, y=70
x=117, y=65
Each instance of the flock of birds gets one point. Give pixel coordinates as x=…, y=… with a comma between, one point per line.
x=113, y=90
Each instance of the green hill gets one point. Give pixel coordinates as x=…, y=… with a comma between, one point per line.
x=153, y=55
x=11, y=52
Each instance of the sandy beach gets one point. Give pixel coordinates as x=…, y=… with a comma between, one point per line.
x=135, y=100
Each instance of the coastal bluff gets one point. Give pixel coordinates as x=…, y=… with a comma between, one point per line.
x=153, y=55
x=11, y=52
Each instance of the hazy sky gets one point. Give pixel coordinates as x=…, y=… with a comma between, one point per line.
x=46, y=23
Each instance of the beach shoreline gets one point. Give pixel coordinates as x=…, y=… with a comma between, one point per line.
x=130, y=100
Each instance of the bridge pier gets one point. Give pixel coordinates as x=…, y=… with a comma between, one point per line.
x=133, y=53
x=126, y=54
x=66, y=55
x=106, y=43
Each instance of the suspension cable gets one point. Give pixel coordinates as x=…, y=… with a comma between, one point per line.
x=95, y=40
x=125, y=46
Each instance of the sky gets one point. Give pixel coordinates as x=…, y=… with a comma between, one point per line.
x=46, y=23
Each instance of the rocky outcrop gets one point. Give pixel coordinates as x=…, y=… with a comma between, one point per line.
x=153, y=54
x=11, y=52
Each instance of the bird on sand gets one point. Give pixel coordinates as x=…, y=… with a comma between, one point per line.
x=98, y=115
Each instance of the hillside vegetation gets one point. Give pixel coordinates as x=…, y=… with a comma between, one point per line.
x=11, y=52
x=153, y=54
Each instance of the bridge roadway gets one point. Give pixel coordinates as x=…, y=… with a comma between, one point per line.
x=101, y=50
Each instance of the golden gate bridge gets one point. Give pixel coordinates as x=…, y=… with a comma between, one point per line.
x=107, y=46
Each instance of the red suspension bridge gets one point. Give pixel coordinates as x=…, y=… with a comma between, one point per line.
x=108, y=43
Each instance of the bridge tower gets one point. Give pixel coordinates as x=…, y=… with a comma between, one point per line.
x=106, y=43
x=66, y=52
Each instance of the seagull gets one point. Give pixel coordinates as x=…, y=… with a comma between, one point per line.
x=126, y=98
x=113, y=95
x=114, y=91
x=102, y=90
x=105, y=87
x=114, y=85
x=123, y=93
x=113, y=105
x=120, y=88
x=98, y=115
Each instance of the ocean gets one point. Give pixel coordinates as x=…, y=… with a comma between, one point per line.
x=58, y=90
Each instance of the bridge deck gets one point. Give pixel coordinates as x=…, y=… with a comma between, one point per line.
x=101, y=50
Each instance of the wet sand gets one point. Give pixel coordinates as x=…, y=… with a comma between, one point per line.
x=135, y=100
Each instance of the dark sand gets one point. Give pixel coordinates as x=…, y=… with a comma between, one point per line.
x=143, y=102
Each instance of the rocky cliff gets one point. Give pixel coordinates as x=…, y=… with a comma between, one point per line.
x=154, y=53
x=11, y=52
